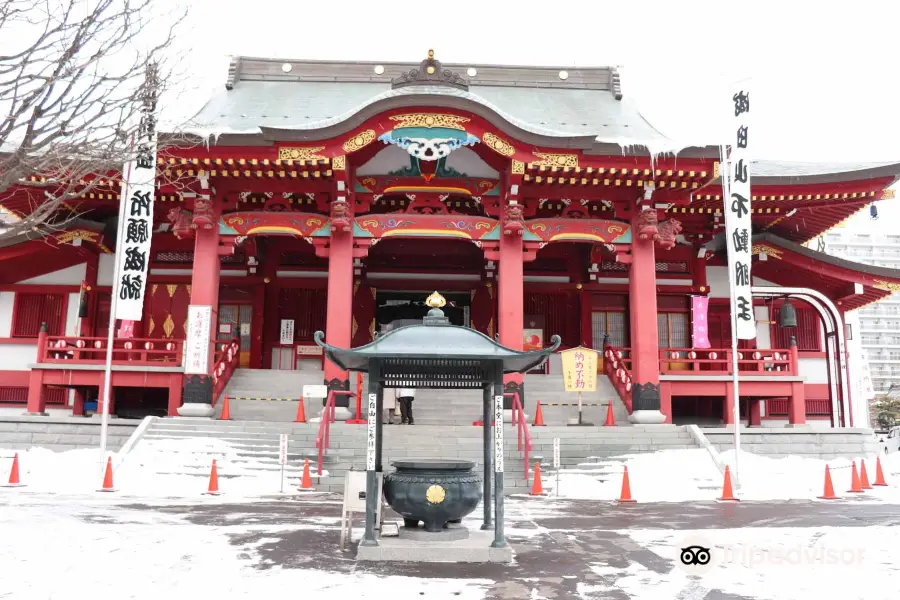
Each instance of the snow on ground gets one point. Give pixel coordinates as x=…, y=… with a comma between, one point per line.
x=164, y=468
x=180, y=468
x=780, y=563
x=143, y=555
x=690, y=474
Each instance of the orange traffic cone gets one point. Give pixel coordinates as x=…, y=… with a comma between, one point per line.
x=301, y=412
x=306, y=482
x=226, y=410
x=855, y=485
x=727, y=491
x=538, y=417
x=537, y=488
x=610, y=420
x=108, y=477
x=625, y=496
x=863, y=476
x=828, y=493
x=213, y=481
x=879, y=474
x=14, y=473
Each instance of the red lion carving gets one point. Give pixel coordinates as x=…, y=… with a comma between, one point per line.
x=647, y=224
x=668, y=230
x=204, y=214
x=340, y=216
x=181, y=223
x=513, y=220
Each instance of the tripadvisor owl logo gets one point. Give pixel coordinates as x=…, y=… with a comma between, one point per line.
x=695, y=555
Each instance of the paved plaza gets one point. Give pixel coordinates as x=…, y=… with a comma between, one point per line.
x=118, y=548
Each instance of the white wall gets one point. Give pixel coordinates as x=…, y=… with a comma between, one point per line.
x=763, y=331
x=72, y=315
x=105, y=268
x=815, y=370
x=17, y=357
x=7, y=300
x=70, y=276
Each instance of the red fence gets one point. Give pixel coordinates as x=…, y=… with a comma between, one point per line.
x=687, y=361
x=617, y=364
x=92, y=350
x=227, y=359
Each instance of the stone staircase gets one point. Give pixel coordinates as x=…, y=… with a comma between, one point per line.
x=431, y=407
x=252, y=446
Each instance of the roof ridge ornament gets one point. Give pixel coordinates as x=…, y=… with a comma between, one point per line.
x=430, y=72
x=435, y=316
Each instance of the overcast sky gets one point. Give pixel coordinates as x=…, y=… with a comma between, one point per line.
x=823, y=74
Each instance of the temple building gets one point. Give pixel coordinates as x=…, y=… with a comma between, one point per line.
x=336, y=196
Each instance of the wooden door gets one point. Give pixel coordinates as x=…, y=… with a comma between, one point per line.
x=236, y=322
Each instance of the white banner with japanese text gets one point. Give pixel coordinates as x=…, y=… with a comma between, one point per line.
x=136, y=226
x=197, y=342
x=738, y=228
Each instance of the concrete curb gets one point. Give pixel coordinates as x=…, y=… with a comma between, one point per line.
x=136, y=436
x=703, y=442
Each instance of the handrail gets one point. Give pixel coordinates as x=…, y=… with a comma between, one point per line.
x=769, y=361
x=616, y=364
x=225, y=365
x=92, y=350
x=518, y=418
x=323, y=438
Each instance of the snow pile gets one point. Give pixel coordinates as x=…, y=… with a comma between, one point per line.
x=687, y=475
x=158, y=468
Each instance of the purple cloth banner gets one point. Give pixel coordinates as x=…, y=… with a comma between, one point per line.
x=700, y=321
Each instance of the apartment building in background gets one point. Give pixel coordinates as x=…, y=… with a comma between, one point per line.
x=879, y=323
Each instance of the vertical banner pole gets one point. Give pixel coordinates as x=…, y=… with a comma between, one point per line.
x=580, y=410
x=738, y=237
x=107, y=370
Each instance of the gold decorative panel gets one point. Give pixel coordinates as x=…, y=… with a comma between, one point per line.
x=498, y=144
x=555, y=160
x=518, y=167
x=171, y=288
x=169, y=326
x=309, y=153
x=360, y=140
x=767, y=250
x=339, y=163
x=887, y=286
x=150, y=326
x=430, y=120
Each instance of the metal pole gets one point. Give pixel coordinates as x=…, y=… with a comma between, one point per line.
x=580, y=419
x=486, y=432
x=735, y=365
x=107, y=373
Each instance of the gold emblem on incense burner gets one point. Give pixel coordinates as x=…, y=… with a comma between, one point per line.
x=435, y=494
x=435, y=300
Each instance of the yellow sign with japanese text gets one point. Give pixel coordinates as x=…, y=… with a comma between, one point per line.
x=579, y=367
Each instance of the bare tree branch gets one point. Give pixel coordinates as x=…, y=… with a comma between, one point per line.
x=71, y=86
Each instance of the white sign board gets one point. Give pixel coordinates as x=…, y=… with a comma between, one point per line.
x=738, y=229
x=315, y=391
x=282, y=449
x=370, y=434
x=308, y=350
x=498, y=433
x=136, y=222
x=197, y=342
x=287, y=332
x=245, y=329
x=555, y=453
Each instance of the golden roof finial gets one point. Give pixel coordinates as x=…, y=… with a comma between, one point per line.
x=430, y=54
x=435, y=300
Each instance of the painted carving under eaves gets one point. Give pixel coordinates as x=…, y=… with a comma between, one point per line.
x=429, y=137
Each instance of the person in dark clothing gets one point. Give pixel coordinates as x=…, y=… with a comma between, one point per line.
x=406, y=397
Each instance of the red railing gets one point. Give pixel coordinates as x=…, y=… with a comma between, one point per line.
x=764, y=362
x=227, y=357
x=617, y=364
x=518, y=419
x=323, y=438
x=92, y=350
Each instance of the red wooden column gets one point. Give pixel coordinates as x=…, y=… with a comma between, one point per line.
x=198, y=389
x=645, y=396
x=90, y=283
x=510, y=290
x=338, y=320
x=797, y=405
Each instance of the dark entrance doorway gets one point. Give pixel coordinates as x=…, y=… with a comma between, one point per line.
x=400, y=308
